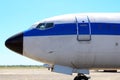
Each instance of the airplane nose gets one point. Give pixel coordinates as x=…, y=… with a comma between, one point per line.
x=15, y=43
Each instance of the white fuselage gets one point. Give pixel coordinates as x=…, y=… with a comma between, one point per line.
x=100, y=51
x=67, y=51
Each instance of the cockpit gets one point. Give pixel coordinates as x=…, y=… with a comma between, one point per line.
x=45, y=26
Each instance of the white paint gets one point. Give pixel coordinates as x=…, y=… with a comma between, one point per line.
x=100, y=52
x=94, y=17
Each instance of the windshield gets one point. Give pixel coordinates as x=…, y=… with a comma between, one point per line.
x=44, y=26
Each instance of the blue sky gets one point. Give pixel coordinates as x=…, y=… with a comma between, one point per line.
x=19, y=15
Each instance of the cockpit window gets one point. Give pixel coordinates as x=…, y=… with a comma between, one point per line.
x=41, y=26
x=44, y=26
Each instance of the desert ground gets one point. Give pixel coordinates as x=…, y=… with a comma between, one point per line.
x=44, y=74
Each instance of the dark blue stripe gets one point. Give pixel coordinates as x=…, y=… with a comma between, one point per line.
x=83, y=28
x=59, y=29
x=70, y=29
x=105, y=29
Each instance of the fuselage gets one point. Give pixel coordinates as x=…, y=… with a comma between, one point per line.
x=80, y=41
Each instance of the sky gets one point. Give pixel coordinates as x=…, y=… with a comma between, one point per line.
x=18, y=15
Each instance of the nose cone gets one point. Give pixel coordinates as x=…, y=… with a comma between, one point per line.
x=15, y=43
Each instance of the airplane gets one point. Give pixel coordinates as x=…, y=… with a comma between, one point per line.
x=72, y=43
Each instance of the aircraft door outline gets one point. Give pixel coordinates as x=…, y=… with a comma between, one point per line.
x=83, y=27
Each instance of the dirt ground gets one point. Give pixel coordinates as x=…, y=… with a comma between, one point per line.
x=44, y=74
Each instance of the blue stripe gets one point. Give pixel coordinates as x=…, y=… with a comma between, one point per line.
x=59, y=29
x=70, y=29
x=83, y=28
x=105, y=29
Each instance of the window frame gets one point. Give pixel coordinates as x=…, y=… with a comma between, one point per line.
x=45, y=26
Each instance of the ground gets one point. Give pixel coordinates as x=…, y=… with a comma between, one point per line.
x=44, y=74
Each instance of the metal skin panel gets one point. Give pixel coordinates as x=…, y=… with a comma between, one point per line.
x=94, y=17
x=62, y=50
x=63, y=69
x=67, y=51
